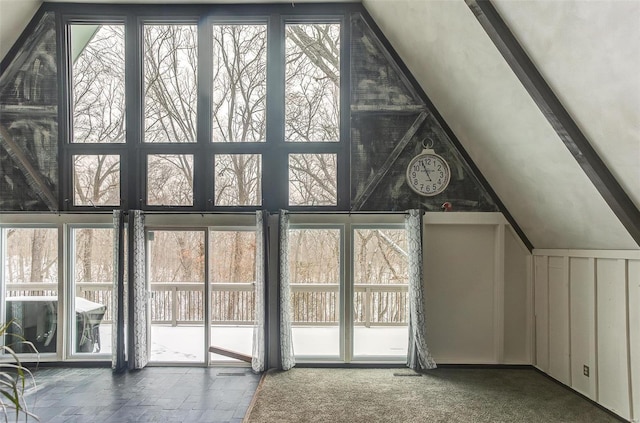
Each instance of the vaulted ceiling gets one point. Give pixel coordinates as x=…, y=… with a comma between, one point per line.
x=588, y=53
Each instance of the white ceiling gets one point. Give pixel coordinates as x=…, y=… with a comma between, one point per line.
x=505, y=133
x=14, y=17
x=589, y=52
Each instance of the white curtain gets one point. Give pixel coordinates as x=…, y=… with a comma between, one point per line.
x=286, y=341
x=116, y=359
x=257, y=360
x=418, y=356
x=138, y=352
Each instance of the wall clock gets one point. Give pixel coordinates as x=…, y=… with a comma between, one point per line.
x=428, y=173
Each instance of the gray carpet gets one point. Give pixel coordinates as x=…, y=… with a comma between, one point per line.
x=441, y=395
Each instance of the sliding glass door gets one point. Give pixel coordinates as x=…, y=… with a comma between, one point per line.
x=176, y=275
x=90, y=289
x=348, y=290
x=380, y=329
x=232, y=275
x=202, y=293
x=315, y=271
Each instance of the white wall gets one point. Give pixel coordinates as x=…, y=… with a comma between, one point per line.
x=587, y=306
x=477, y=290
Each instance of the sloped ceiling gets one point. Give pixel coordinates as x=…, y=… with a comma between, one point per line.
x=589, y=53
x=14, y=17
x=505, y=133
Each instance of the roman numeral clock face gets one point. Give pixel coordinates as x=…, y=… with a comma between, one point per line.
x=428, y=174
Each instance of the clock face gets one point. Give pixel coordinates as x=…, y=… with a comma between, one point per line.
x=428, y=174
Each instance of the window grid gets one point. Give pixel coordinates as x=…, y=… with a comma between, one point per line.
x=272, y=147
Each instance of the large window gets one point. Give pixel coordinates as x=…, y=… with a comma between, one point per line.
x=239, y=83
x=312, y=88
x=97, y=83
x=30, y=287
x=213, y=112
x=98, y=118
x=170, y=83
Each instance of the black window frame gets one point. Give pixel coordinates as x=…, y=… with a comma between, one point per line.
x=274, y=151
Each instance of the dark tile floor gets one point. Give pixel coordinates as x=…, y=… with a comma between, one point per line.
x=154, y=394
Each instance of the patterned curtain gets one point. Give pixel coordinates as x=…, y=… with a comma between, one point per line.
x=139, y=312
x=286, y=342
x=117, y=326
x=418, y=356
x=257, y=360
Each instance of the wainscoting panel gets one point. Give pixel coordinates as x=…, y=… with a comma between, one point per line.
x=613, y=348
x=559, y=338
x=541, y=307
x=603, y=301
x=583, y=326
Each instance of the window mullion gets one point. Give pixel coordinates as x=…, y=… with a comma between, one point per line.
x=135, y=186
x=204, y=174
x=275, y=180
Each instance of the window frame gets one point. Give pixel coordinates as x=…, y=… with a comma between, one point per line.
x=69, y=314
x=274, y=151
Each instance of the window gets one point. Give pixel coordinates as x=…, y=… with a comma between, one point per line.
x=97, y=81
x=170, y=82
x=220, y=110
x=170, y=180
x=313, y=180
x=92, y=287
x=96, y=180
x=238, y=179
x=30, y=287
x=312, y=88
x=239, y=83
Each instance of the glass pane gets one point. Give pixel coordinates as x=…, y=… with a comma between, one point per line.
x=96, y=180
x=314, y=271
x=31, y=287
x=170, y=83
x=232, y=256
x=232, y=263
x=93, y=285
x=170, y=180
x=97, y=82
x=380, y=279
x=313, y=180
x=239, y=83
x=176, y=278
x=238, y=179
x=312, y=84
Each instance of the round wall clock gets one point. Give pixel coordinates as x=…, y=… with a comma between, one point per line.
x=428, y=174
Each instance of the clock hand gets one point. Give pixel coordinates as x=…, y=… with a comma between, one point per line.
x=426, y=170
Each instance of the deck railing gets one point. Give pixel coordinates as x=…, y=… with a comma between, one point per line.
x=314, y=304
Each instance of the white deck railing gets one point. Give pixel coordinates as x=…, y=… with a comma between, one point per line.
x=233, y=303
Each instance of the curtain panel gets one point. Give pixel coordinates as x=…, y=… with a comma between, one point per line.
x=139, y=300
x=286, y=341
x=117, y=293
x=258, y=355
x=418, y=357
